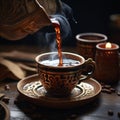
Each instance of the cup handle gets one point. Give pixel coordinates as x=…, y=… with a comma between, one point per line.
x=91, y=63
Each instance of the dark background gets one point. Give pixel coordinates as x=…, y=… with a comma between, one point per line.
x=93, y=15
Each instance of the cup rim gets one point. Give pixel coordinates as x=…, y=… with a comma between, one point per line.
x=93, y=34
x=115, y=46
x=69, y=53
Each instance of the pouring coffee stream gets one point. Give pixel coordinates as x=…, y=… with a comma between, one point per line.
x=56, y=26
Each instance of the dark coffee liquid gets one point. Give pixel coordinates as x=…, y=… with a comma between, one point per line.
x=66, y=62
x=58, y=40
x=91, y=37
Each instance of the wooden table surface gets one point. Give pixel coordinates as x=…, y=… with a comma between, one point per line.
x=105, y=107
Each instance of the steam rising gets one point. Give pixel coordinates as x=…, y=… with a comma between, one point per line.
x=51, y=41
x=48, y=39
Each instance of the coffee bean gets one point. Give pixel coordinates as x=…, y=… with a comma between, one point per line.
x=110, y=112
x=119, y=114
x=6, y=99
x=102, y=84
x=106, y=91
x=107, y=86
x=7, y=87
x=118, y=93
x=112, y=89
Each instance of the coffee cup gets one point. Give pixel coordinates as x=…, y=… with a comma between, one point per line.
x=59, y=81
x=86, y=43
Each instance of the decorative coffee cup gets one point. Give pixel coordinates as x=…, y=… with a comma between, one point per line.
x=57, y=80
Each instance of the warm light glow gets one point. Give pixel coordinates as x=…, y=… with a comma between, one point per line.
x=108, y=45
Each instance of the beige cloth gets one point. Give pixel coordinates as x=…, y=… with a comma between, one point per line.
x=17, y=65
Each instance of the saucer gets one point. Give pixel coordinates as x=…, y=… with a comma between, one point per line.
x=32, y=89
x=4, y=111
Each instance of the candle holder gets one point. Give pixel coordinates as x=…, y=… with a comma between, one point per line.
x=107, y=63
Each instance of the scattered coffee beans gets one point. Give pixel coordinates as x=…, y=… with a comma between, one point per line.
x=112, y=89
x=119, y=114
x=106, y=90
x=107, y=86
x=73, y=116
x=7, y=87
x=110, y=112
x=6, y=99
x=118, y=93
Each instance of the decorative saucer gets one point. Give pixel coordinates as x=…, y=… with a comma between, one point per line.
x=32, y=89
x=4, y=111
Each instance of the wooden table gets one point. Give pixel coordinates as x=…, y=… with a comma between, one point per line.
x=105, y=107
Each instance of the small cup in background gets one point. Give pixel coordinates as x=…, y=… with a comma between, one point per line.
x=86, y=43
